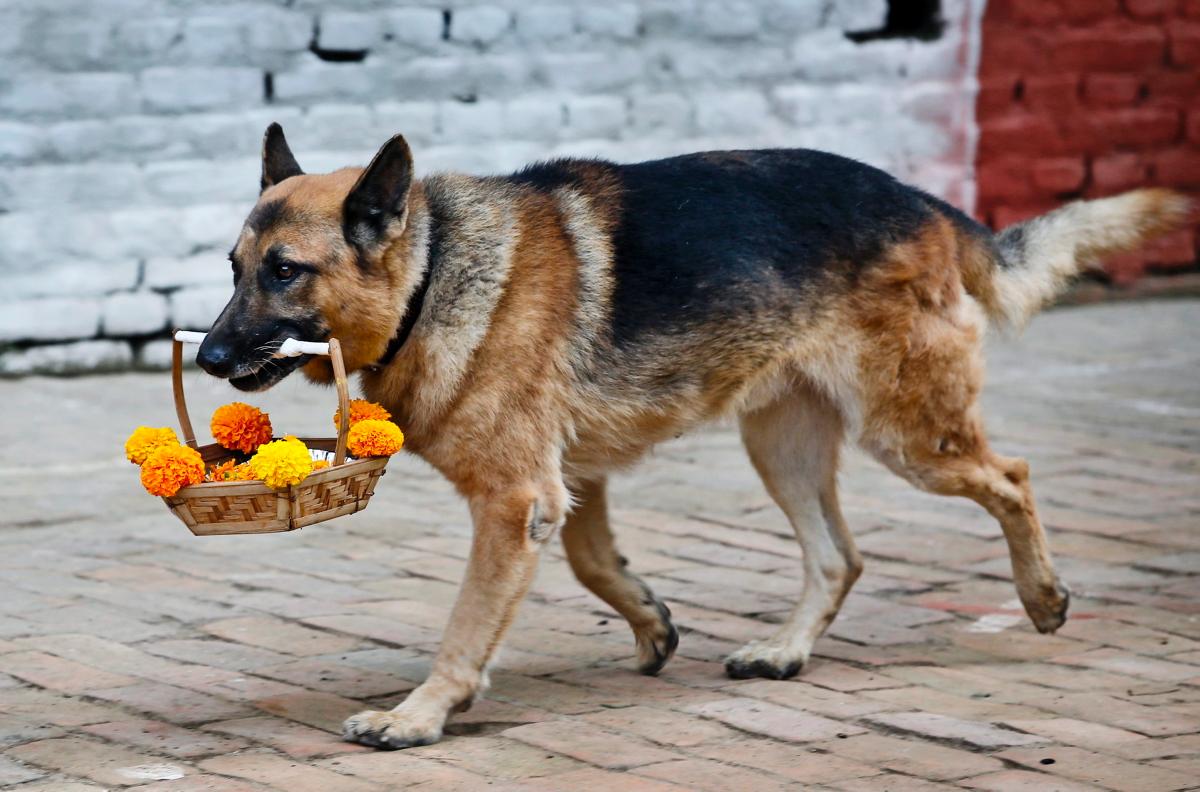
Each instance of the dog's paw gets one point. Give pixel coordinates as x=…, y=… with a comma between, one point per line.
x=1048, y=611
x=655, y=647
x=391, y=730
x=758, y=659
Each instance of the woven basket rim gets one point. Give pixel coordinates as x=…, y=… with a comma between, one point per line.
x=351, y=467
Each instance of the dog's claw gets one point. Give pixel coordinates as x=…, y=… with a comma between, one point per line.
x=1051, y=611
x=738, y=669
x=762, y=660
x=653, y=653
x=389, y=731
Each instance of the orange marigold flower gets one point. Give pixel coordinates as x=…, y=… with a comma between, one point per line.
x=170, y=468
x=320, y=464
x=361, y=410
x=240, y=427
x=145, y=439
x=282, y=463
x=374, y=438
x=221, y=472
x=241, y=472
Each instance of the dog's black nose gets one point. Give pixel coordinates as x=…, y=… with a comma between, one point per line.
x=215, y=357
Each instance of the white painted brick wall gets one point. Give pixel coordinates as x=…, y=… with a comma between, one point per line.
x=129, y=129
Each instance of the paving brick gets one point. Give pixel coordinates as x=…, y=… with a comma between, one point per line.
x=57, y=674
x=890, y=782
x=500, y=758
x=293, y=739
x=13, y=773
x=709, y=775
x=202, y=782
x=1157, y=748
x=100, y=762
x=163, y=738
x=796, y=762
x=1094, y=768
x=319, y=710
x=552, y=695
x=921, y=759
x=979, y=707
x=222, y=654
x=1076, y=732
x=589, y=743
x=1016, y=780
x=63, y=784
x=595, y=778
x=1132, y=665
x=280, y=772
x=413, y=772
x=1108, y=710
x=771, y=720
x=46, y=707
x=170, y=703
x=661, y=726
x=279, y=635
x=941, y=727
x=839, y=676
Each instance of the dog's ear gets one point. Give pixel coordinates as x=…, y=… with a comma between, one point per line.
x=277, y=160
x=379, y=198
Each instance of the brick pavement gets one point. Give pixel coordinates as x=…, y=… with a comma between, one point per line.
x=135, y=656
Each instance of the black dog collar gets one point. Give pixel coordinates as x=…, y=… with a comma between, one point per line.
x=411, y=312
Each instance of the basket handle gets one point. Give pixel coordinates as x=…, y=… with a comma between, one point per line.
x=290, y=348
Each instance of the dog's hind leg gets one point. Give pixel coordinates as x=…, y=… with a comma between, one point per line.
x=794, y=445
x=921, y=381
x=594, y=559
x=968, y=468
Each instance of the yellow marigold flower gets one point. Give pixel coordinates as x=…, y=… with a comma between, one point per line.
x=170, y=468
x=374, y=438
x=145, y=439
x=320, y=464
x=240, y=427
x=281, y=463
x=361, y=410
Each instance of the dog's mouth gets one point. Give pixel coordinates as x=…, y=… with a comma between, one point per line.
x=267, y=372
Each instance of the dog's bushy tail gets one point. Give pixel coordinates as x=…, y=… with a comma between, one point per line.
x=1032, y=262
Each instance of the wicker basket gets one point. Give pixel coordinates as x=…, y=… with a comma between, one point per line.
x=245, y=507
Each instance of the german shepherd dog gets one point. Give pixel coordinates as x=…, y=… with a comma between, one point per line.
x=533, y=332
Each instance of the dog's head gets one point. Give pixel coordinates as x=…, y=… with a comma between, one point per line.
x=316, y=258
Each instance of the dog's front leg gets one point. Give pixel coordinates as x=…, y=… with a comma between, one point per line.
x=510, y=529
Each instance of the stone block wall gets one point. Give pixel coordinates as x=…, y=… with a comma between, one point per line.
x=1086, y=98
x=130, y=129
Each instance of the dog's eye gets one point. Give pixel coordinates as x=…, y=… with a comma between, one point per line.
x=285, y=271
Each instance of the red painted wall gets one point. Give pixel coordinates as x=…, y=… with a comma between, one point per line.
x=1085, y=98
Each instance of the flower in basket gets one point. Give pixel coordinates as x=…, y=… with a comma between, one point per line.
x=281, y=463
x=221, y=471
x=320, y=464
x=241, y=472
x=146, y=439
x=374, y=438
x=230, y=470
x=169, y=468
x=240, y=427
x=361, y=410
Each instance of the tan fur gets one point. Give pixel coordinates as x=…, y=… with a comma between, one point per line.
x=509, y=386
